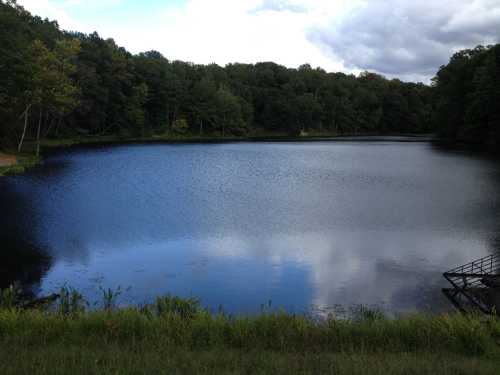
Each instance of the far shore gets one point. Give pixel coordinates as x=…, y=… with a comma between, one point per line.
x=7, y=160
x=104, y=140
x=11, y=163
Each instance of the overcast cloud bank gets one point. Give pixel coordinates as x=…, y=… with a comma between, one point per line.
x=396, y=38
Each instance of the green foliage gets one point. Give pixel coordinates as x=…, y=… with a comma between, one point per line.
x=81, y=85
x=183, y=323
x=184, y=308
x=71, y=302
x=180, y=126
x=172, y=330
x=467, y=93
x=77, y=85
x=153, y=358
x=135, y=108
x=24, y=162
x=51, y=86
x=109, y=298
x=365, y=314
x=10, y=298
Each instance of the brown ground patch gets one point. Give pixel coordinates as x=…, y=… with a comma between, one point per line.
x=7, y=160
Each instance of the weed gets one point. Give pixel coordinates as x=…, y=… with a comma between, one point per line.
x=71, y=302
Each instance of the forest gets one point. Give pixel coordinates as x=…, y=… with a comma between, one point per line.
x=63, y=85
x=467, y=97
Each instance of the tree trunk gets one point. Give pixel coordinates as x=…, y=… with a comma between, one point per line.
x=38, y=133
x=168, y=119
x=49, y=127
x=47, y=123
x=201, y=127
x=224, y=127
x=26, y=116
x=174, y=115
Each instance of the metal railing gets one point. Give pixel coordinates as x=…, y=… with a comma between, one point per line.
x=474, y=284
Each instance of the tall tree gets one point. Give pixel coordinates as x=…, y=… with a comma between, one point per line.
x=74, y=84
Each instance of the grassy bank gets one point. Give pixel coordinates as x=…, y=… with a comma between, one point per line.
x=177, y=336
x=22, y=163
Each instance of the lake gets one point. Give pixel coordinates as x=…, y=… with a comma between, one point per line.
x=308, y=226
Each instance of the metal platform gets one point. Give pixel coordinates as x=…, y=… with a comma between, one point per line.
x=476, y=285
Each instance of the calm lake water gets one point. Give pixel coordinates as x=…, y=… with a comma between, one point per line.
x=299, y=224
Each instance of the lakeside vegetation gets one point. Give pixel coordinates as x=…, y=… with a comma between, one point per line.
x=175, y=334
x=467, y=97
x=63, y=88
x=67, y=85
x=59, y=85
x=22, y=163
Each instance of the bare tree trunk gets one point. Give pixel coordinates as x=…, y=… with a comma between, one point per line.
x=168, y=119
x=174, y=115
x=316, y=92
x=38, y=133
x=201, y=127
x=26, y=116
x=47, y=123
x=224, y=127
x=49, y=127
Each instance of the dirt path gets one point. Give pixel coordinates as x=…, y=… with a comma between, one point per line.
x=7, y=160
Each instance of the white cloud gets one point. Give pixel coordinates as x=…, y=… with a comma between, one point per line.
x=224, y=31
x=63, y=11
x=51, y=10
x=393, y=37
x=409, y=39
x=220, y=31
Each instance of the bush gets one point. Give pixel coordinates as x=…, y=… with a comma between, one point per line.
x=180, y=126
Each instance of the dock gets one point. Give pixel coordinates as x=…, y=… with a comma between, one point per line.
x=475, y=286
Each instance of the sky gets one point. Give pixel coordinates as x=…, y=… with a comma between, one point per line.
x=406, y=39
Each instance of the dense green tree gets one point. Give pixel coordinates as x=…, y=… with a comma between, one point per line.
x=153, y=69
x=49, y=88
x=204, y=108
x=229, y=113
x=135, y=109
x=75, y=84
x=180, y=126
x=467, y=96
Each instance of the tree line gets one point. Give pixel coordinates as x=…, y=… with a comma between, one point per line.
x=58, y=84
x=467, y=96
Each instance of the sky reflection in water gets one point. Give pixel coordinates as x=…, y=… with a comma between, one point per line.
x=238, y=225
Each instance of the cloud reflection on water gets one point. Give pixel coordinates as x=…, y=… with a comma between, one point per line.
x=240, y=224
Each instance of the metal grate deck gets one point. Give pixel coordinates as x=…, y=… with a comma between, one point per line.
x=476, y=285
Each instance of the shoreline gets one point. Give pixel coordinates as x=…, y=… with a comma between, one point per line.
x=53, y=145
x=18, y=163
x=7, y=160
x=7, y=163
x=11, y=164
x=175, y=332
x=214, y=139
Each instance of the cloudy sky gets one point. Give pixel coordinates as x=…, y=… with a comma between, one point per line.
x=408, y=39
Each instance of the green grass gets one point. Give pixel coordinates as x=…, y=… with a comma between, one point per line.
x=152, y=358
x=177, y=336
x=24, y=162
